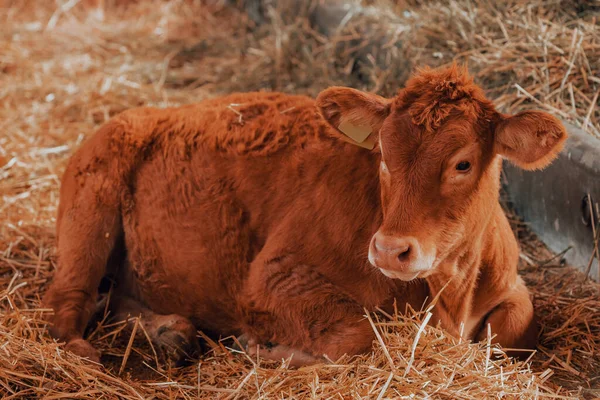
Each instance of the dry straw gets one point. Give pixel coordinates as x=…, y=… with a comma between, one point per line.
x=68, y=66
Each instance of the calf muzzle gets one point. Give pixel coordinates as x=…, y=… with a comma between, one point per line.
x=396, y=257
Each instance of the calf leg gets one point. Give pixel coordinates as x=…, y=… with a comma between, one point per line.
x=299, y=310
x=88, y=227
x=514, y=323
x=173, y=334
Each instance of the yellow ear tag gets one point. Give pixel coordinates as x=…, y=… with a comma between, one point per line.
x=358, y=135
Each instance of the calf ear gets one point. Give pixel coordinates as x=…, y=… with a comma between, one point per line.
x=355, y=115
x=531, y=139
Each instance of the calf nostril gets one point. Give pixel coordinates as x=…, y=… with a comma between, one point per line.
x=404, y=253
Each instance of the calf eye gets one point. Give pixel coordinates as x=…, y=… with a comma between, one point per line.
x=463, y=166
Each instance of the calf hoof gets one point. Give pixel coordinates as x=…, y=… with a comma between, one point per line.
x=84, y=349
x=277, y=352
x=176, y=337
x=241, y=343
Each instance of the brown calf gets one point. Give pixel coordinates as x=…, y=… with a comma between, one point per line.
x=248, y=215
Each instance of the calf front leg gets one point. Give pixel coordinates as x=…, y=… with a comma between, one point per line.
x=293, y=309
x=514, y=324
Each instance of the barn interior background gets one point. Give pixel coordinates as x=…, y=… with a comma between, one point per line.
x=68, y=66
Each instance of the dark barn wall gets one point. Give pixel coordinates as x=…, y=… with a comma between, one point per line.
x=555, y=201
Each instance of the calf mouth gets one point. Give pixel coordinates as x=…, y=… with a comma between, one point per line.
x=403, y=276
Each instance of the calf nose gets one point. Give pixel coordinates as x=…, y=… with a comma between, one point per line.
x=394, y=253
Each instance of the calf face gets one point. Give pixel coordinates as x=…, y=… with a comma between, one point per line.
x=439, y=142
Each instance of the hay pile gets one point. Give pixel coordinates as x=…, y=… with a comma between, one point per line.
x=66, y=68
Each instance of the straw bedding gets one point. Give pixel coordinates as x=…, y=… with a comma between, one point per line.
x=66, y=67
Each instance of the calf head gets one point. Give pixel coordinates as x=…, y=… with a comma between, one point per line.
x=439, y=143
